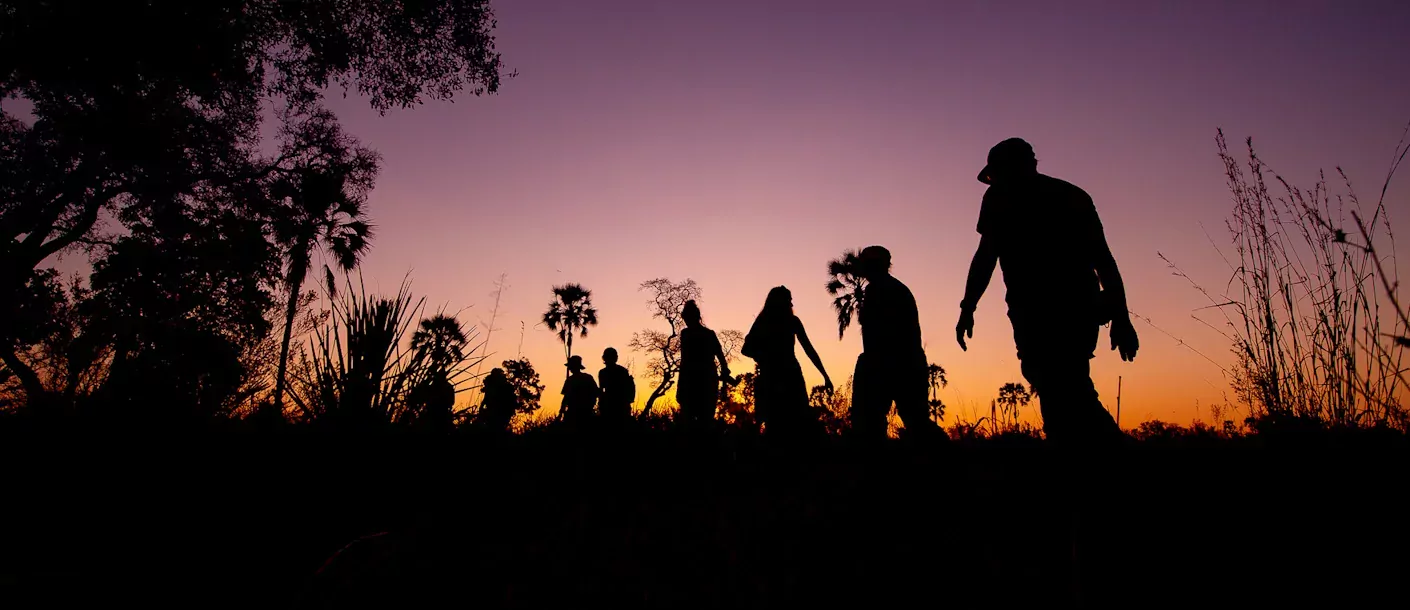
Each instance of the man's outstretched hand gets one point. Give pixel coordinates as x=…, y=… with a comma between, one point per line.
x=1123, y=338
x=965, y=328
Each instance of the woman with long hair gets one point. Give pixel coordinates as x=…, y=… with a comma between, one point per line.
x=780, y=395
x=699, y=384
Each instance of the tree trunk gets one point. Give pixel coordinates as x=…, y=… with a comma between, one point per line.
x=29, y=380
x=668, y=374
x=295, y=284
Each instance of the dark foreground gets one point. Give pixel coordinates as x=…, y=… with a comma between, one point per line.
x=658, y=520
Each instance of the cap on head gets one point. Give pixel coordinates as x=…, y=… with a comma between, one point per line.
x=875, y=259
x=1006, y=156
x=576, y=363
x=609, y=355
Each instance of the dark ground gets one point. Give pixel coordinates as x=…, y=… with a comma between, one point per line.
x=656, y=520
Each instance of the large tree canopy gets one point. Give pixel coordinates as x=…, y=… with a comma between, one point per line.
x=137, y=99
x=143, y=104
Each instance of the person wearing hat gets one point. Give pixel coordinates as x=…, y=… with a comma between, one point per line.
x=1062, y=286
x=579, y=393
x=892, y=365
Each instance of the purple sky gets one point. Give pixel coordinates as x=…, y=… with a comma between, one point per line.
x=744, y=143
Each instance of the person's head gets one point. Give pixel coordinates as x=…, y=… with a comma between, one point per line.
x=778, y=304
x=875, y=262
x=691, y=313
x=496, y=376
x=609, y=355
x=1012, y=158
x=575, y=364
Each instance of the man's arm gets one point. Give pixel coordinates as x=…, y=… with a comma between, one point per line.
x=1123, y=333
x=1110, y=278
x=981, y=269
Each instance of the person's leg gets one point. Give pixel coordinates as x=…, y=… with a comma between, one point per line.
x=710, y=403
x=1067, y=398
x=911, y=390
x=692, y=405
x=870, y=402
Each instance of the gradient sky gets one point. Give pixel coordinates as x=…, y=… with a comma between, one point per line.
x=744, y=143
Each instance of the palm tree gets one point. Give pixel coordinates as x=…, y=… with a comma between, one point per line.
x=1011, y=397
x=570, y=311
x=439, y=343
x=443, y=339
x=936, y=377
x=846, y=288
x=319, y=214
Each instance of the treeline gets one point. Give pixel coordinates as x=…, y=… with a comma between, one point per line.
x=184, y=150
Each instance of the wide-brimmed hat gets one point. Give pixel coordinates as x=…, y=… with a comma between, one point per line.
x=1007, y=153
x=576, y=363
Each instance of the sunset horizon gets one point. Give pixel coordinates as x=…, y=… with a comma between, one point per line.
x=744, y=178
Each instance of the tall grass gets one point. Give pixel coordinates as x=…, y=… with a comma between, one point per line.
x=360, y=370
x=1303, y=308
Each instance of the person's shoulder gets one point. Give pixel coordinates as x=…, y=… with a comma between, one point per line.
x=901, y=287
x=1065, y=188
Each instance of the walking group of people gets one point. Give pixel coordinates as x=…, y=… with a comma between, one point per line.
x=1062, y=286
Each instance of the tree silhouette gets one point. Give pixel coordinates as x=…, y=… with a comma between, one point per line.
x=935, y=374
x=159, y=330
x=443, y=339
x=439, y=342
x=570, y=311
x=846, y=286
x=663, y=349
x=730, y=343
x=320, y=208
x=528, y=391
x=832, y=407
x=119, y=128
x=359, y=373
x=1012, y=396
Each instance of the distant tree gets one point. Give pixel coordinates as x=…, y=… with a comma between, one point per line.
x=570, y=312
x=528, y=391
x=846, y=286
x=936, y=376
x=444, y=340
x=440, y=342
x=1012, y=396
x=737, y=408
x=832, y=407
x=136, y=105
x=730, y=343
x=663, y=349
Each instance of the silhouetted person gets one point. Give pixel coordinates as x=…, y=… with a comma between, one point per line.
x=780, y=395
x=434, y=402
x=892, y=366
x=498, y=403
x=1062, y=286
x=579, y=394
x=618, y=389
x=698, y=387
